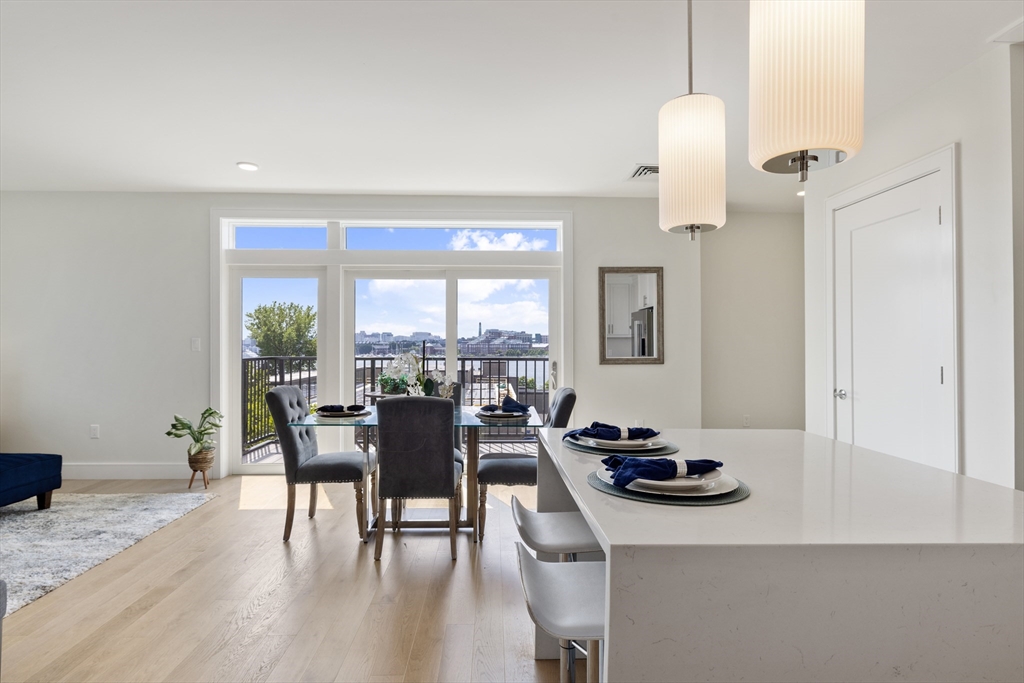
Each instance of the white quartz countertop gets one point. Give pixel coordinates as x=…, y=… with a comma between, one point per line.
x=805, y=489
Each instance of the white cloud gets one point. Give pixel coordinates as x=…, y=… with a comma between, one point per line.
x=486, y=240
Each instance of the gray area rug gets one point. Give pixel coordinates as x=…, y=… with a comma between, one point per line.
x=42, y=549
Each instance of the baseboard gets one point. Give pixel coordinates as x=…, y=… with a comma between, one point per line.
x=127, y=470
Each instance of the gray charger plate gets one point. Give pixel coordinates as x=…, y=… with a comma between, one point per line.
x=734, y=496
x=668, y=449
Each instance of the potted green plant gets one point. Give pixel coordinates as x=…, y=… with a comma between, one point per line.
x=202, y=448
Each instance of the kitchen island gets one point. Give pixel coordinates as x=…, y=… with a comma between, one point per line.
x=843, y=565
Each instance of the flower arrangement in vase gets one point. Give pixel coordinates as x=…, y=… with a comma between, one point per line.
x=399, y=374
x=404, y=374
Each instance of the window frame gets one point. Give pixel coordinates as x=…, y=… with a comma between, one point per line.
x=336, y=261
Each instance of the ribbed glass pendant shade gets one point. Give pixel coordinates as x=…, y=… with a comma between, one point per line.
x=806, y=80
x=691, y=163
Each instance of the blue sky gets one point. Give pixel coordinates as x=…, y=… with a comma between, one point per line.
x=391, y=239
x=407, y=306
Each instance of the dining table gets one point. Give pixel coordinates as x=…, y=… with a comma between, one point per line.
x=843, y=564
x=465, y=417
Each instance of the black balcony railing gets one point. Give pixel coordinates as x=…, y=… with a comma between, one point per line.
x=260, y=375
x=484, y=380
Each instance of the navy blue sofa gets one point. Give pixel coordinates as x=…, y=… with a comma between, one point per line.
x=23, y=475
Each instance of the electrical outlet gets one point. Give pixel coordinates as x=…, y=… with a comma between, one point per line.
x=196, y=345
x=746, y=420
x=94, y=431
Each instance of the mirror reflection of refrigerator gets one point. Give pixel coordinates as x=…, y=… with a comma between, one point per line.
x=642, y=327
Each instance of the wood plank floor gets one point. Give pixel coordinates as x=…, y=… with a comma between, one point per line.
x=217, y=596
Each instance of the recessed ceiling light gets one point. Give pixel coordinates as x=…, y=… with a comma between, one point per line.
x=800, y=193
x=247, y=166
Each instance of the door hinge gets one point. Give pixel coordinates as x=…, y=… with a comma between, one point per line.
x=940, y=214
x=942, y=374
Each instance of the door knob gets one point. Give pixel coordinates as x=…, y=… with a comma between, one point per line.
x=840, y=394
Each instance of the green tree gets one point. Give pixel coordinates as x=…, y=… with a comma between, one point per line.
x=283, y=329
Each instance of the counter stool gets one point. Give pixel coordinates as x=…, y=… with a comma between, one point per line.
x=564, y=533
x=566, y=600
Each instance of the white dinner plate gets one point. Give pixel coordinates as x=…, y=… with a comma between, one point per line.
x=632, y=444
x=500, y=415
x=724, y=484
x=679, y=483
x=337, y=416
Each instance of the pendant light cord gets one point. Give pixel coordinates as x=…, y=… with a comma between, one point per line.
x=689, y=41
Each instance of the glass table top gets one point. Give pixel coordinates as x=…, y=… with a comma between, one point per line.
x=465, y=418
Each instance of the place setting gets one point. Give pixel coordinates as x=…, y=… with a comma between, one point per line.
x=606, y=439
x=510, y=411
x=668, y=481
x=334, y=412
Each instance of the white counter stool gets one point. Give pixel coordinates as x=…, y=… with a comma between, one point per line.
x=564, y=533
x=566, y=599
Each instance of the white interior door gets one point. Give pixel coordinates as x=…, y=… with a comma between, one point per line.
x=895, y=323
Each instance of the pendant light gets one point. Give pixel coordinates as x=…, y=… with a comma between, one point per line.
x=806, y=83
x=691, y=157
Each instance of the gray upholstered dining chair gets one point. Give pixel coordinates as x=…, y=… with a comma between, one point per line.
x=415, y=457
x=518, y=469
x=304, y=464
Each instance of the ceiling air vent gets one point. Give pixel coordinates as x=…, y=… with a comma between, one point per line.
x=644, y=171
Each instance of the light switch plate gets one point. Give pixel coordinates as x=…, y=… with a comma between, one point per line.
x=94, y=431
x=196, y=344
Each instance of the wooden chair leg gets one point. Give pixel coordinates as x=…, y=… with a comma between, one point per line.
x=396, y=514
x=593, y=661
x=361, y=510
x=374, y=502
x=43, y=500
x=312, y=500
x=290, y=514
x=192, y=479
x=379, y=545
x=453, y=520
x=482, y=511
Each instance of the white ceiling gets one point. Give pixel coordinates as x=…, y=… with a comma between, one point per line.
x=517, y=98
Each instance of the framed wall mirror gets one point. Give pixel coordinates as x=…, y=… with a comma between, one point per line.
x=631, y=315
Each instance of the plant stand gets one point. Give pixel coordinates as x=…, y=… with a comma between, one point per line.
x=201, y=462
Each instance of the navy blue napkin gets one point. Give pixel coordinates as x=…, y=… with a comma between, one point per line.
x=626, y=469
x=599, y=430
x=338, y=408
x=508, y=405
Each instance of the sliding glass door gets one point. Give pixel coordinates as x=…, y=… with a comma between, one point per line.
x=276, y=326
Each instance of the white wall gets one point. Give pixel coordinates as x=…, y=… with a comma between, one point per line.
x=970, y=107
x=752, y=322
x=100, y=294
